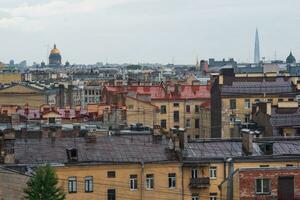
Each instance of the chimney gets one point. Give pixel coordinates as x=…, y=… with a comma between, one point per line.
x=247, y=142
x=61, y=96
x=177, y=89
x=72, y=154
x=70, y=96
x=179, y=138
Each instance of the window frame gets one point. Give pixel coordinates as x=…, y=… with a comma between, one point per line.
x=111, y=174
x=247, y=104
x=213, y=172
x=149, y=181
x=194, y=173
x=188, y=108
x=72, y=184
x=231, y=103
x=172, y=180
x=262, y=192
x=133, y=182
x=89, y=184
x=111, y=191
x=165, y=123
x=163, y=109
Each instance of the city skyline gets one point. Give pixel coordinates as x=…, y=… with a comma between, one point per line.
x=147, y=31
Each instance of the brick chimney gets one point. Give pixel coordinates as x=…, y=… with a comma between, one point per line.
x=247, y=142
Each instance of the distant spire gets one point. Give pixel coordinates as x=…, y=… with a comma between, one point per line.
x=256, y=48
x=54, y=46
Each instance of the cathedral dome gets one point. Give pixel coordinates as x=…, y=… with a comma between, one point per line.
x=55, y=57
x=290, y=59
x=55, y=50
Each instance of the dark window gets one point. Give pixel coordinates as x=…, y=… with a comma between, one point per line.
x=195, y=196
x=263, y=186
x=194, y=173
x=51, y=120
x=289, y=165
x=290, y=99
x=72, y=183
x=232, y=104
x=172, y=180
x=133, y=182
x=187, y=108
x=163, y=123
x=196, y=108
x=149, y=181
x=111, y=194
x=176, y=116
x=88, y=184
x=264, y=165
x=163, y=109
x=176, y=104
x=197, y=123
x=280, y=100
x=247, y=118
x=111, y=174
x=85, y=92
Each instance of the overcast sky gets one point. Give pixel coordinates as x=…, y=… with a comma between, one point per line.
x=135, y=31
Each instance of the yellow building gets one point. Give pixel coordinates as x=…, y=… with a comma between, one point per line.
x=19, y=94
x=148, y=167
x=139, y=111
x=9, y=77
x=233, y=95
x=178, y=105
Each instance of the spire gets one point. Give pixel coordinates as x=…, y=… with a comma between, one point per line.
x=54, y=46
x=256, y=48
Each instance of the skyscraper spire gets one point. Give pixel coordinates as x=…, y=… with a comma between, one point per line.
x=256, y=48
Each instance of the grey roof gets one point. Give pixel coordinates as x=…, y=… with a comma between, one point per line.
x=260, y=86
x=228, y=148
x=285, y=117
x=110, y=149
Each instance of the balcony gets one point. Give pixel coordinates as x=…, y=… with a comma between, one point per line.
x=202, y=182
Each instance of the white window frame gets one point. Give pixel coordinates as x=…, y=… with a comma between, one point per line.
x=247, y=104
x=195, y=197
x=213, y=172
x=194, y=173
x=262, y=186
x=88, y=184
x=172, y=180
x=133, y=182
x=212, y=197
x=72, y=184
x=150, y=182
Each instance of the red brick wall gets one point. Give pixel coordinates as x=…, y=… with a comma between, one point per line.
x=247, y=182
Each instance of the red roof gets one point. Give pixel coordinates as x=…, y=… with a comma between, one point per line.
x=160, y=91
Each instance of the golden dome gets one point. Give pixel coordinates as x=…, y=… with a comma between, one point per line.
x=55, y=50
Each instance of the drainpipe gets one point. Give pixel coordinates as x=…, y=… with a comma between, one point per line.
x=230, y=179
x=142, y=179
x=182, y=184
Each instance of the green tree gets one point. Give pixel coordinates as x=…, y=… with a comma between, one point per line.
x=43, y=185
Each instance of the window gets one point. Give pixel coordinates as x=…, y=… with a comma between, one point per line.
x=85, y=92
x=247, y=104
x=289, y=165
x=213, y=172
x=197, y=123
x=257, y=100
x=111, y=174
x=130, y=106
x=187, y=108
x=232, y=104
x=172, y=180
x=188, y=123
x=213, y=196
x=163, y=109
x=90, y=92
x=247, y=118
x=163, y=123
x=149, y=181
x=176, y=104
x=111, y=194
x=270, y=100
x=264, y=165
x=194, y=173
x=88, y=184
x=176, y=116
x=133, y=182
x=280, y=100
x=72, y=182
x=196, y=108
x=195, y=196
x=263, y=186
x=232, y=118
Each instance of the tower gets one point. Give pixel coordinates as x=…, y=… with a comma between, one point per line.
x=256, y=48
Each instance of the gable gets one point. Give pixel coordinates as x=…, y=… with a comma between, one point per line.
x=19, y=89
